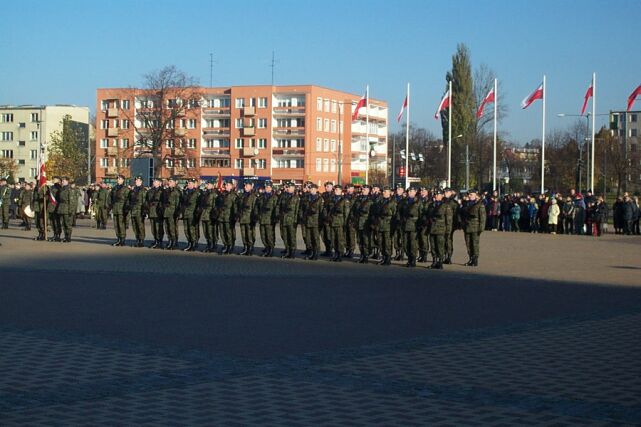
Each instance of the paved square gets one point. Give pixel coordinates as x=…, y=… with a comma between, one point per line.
x=545, y=332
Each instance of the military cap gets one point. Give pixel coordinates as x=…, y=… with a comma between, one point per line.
x=312, y=185
x=413, y=187
x=193, y=180
x=399, y=185
x=349, y=186
x=473, y=190
x=139, y=177
x=120, y=176
x=65, y=178
x=446, y=189
x=269, y=183
x=366, y=186
x=158, y=179
x=172, y=178
x=439, y=191
x=376, y=185
x=387, y=188
x=291, y=184
x=338, y=187
x=328, y=183
x=423, y=188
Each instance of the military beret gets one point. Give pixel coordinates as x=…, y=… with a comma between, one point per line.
x=268, y=183
x=338, y=187
x=139, y=177
x=312, y=185
x=329, y=183
x=120, y=176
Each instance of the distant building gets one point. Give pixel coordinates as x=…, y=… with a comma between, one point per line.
x=627, y=126
x=23, y=128
x=519, y=163
x=297, y=133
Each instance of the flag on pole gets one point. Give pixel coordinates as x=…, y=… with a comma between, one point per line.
x=403, y=107
x=588, y=95
x=52, y=199
x=361, y=103
x=42, y=178
x=537, y=94
x=633, y=97
x=445, y=104
x=487, y=100
x=219, y=182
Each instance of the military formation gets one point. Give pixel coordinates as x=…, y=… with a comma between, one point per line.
x=380, y=223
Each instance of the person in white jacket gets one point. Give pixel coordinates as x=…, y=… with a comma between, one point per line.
x=553, y=216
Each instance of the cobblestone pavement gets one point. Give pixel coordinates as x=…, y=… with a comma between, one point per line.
x=147, y=343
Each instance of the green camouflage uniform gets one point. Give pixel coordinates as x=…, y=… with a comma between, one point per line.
x=422, y=229
x=385, y=212
x=361, y=216
x=54, y=218
x=64, y=210
x=154, y=210
x=120, y=209
x=473, y=222
x=409, y=212
x=440, y=227
x=338, y=211
x=137, y=211
x=5, y=201
x=247, y=220
x=288, y=215
x=227, y=218
x=102, y=207
x=267, y=204
x=205, y=207
x=191, y=222
x=313, y=208
x=170, y=210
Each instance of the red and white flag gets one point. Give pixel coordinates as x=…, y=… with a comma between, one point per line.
x=403, y=107
x=52, y=198
x=362, y=103
x=537, y=94
x=633, y=97
x=42, y=178
x=588, y=95
x=487, y=100
x=445, y=104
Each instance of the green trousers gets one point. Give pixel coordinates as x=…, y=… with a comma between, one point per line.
x=313, y=238
x=171, y=227
x=157, y=228
x=66, y=221
x=289, y=236
x=268, y=235
x=120, y=225
x=437, y=242
x=138, y=225
x=338, y=239
x=473, y=243
x=385, y=242
x=350, y=237
x=248, y=234
x=364, y=241
x=409, y=237
x=423, y=238
x=326, y=235
x=101, y=217
x=228, y=233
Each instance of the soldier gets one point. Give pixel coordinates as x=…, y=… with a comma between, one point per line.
x=75, y=194
x=288, y=215
x=440, y=226
x=409, y=214
x=205, y=206
x=227, y=217
x=153, y=201
x=473, y=222
x=38, y=209
x=311, y=216
x=450, y=199
x=422, y=226
x=385, y=212
x=396, y=227
x=26, y=201
x=304, y=198
x=361, y=216
x=102, y=206
x=138, y=210
x=5, y=202
x=350, y=227
x=170, y=206
x=120, y=208
x=267, y=205
x=54, y=218
x=374, y=232
x=326, y=228
x=188, y=207
x=247, y=218
x=337, y=213
x=64, y=208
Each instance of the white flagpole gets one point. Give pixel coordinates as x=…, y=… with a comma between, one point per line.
x=593, y=123
x=449, y=139
x=496, y=101
x=407, y=140
x=367, y=133
x=543, y=142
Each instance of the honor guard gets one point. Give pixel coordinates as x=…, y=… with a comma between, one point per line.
x=360, y=214
x=337, y=212
x=440, y=225
x=386, y=210
x=170, y=204
x=326, y=228
x=267, y=204
x=101, y=206
x=120, y=209
x=396, y=228
x=288, y=214
x=473, y=217
x=422, y=226
x=191, y=221
x=313, y=208
x=206, y=205
x=5, y=202
x=247, y=218
x=154, y=210
x=409, y=211
x=350, y=228
x=137, y=211
x=52, y=211
x=227, y=217
x=450, y=199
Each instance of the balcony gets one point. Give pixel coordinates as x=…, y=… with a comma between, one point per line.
x=289, y=131
x=216, y=132
x=178, y=170
x=178, y=152
x=112, y=151
x=293, y=111
x=112, y=170
x=249, y=111
x=180, y=113
x=180, y=132
x=112, y=132
x=112, y=112
x=215, y=152
x=289, y=152
x=249, y=171
x=217, y=111
x=249, y=131
x=249, y=152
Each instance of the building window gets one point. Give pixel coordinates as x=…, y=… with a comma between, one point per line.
x=34, y=135
x=334, y=105
x=633, y=132
x=191, y=143
x=191, y=163
x=262, y=163
x=240, y=102
x=33, y=172
x=633, y=117
x=239, y=123
x=169, y=143
x=326, y=145
x=319, y=104
x=104, y=124
x=22, y=143
x=7, y=136
x=239, y=143
x=319, y=165
x=8, y=118
x=333, y=166
x=104, y=104
x=325, y=165
x=252, y=102
x=333, y=127
x=125, y=124
x=125, y=104
x=34, y=154
x=326, y=125
x=262, y=123
x=104, y=143
x=124, y=143
x=104, y=162
x=238, y=163
x=35, y=117
x=191, y=124
x=319, y=144
x=7, y=154
x=333, y=145
x=217, y=143
x=116, y=123
x=326, y=103
x=262, y=102
x=319, y=124
x=262, y=143
x=21, y=162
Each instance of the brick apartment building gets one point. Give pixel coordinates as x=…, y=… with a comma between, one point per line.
x=284, y=133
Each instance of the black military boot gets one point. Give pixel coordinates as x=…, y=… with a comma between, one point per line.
x=422, y=257
x=250, y=251
x=338, y=257
x=387, y=260
x=286, y=254
x=469, y=262
x=170, y=245
x=194, y=246
x=67, y=239
x=188, y=247
x=207, y=247
x=434, y=262
x=411, y=262
x=475, y=261
x=244, y=251
x=362, y=252
x=447, y=260
x=270, y=252
x=123, y=242
x=328, y=252
x=399, y=256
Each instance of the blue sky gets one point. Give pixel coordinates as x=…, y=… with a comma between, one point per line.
x=61, y=51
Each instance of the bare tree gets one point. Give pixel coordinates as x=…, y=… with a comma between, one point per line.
x=165, y=104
